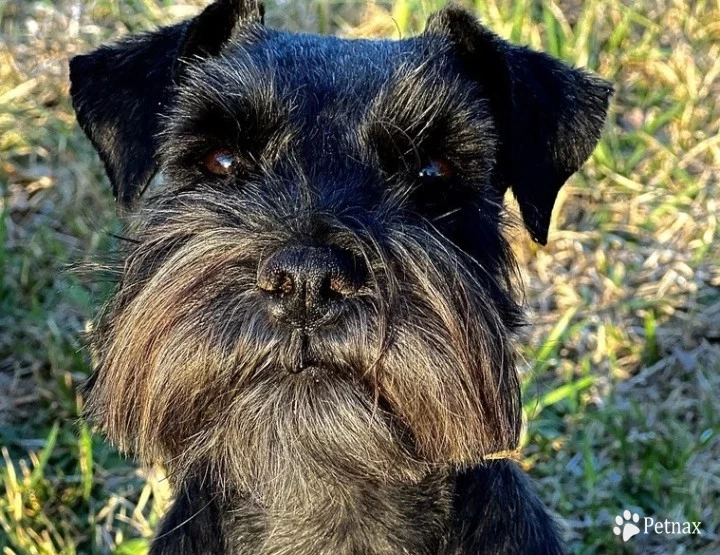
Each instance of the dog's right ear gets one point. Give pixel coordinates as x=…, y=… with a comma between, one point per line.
x=121, y=91
x=548, y=115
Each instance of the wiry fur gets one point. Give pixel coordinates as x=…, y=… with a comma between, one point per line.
x=364, y=436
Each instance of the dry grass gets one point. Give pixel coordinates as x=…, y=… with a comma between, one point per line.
x=623, y=364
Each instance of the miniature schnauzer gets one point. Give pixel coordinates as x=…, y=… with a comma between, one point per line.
x=313, y=328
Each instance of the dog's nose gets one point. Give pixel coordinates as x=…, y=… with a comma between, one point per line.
x=306, y=285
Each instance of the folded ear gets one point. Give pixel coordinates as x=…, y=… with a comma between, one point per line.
x=121, y=91
x=548, y=116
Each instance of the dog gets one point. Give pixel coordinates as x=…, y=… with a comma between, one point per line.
x=316, y=313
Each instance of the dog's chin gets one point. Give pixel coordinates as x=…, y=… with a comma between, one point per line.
x=289, y=434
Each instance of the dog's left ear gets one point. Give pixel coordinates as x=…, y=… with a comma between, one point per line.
x=548, y=116
x=120, y=92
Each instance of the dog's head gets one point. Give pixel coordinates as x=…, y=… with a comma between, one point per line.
x=322, y=283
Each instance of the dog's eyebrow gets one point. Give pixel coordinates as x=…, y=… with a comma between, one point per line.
x=406, y=102
x=235, y=118
x=229, y=100
x=421, y=104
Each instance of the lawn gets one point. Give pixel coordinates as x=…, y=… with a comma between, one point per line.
x=621, y=362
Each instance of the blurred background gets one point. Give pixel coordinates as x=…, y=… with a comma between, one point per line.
x=622, y=362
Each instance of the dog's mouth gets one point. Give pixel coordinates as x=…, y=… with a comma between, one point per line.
x=305, y=361
x=314, y=371
x=302, y=358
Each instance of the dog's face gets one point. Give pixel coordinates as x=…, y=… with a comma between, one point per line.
x=322, y=287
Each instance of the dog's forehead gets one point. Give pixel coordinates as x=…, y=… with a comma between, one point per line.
x=328, y=67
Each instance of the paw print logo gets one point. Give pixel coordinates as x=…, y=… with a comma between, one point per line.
x=627, y=525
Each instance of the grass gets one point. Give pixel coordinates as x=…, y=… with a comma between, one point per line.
x=622, y=363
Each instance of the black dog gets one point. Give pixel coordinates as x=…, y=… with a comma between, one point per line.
x=313, y=330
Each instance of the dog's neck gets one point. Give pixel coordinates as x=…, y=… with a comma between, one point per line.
x=345, y=519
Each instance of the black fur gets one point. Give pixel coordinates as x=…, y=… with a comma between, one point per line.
x=549, y=117
x=318, y=342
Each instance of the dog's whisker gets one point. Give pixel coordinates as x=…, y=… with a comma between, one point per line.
x=446, y=214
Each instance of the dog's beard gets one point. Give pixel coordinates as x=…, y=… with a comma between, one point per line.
x=291, y=437
x=192, y=374
x=249, y=424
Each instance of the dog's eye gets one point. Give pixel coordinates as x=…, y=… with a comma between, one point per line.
x=219, y=162
x=436, y=169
